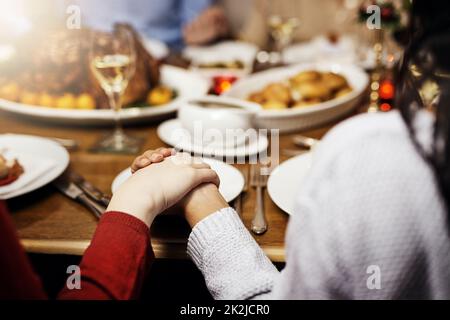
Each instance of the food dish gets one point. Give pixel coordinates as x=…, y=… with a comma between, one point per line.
x=58, y=74
x=10, y=171
x=232, y=58
x=232, y=64
x=286, y=180
x=42, y=160
x=231, y=179
x=186, y=84
x=307, y=88
x=305, y=116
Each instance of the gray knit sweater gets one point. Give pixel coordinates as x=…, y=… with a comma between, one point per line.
x=369, y=224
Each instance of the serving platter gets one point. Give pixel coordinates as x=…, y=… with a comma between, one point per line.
x=186, y=84
x=289, y=120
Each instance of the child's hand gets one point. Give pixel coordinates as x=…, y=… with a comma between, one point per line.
x=149, y=157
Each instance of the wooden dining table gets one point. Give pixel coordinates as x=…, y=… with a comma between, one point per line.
x=48, y=222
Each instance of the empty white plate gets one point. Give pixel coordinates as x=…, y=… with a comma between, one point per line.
x=231, y=179
x=171, y=131
x=27, y=148
x=286, y=180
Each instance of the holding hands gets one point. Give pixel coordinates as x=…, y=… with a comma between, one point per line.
x=161, y=179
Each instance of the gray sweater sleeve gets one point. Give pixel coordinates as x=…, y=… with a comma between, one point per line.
x=236, y=268
x=233, y=264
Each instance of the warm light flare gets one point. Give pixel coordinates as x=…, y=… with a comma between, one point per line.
x=13, y=19
x=387, y=90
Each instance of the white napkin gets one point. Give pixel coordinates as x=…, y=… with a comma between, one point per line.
x=34, y=167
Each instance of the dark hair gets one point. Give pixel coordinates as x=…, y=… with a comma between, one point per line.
x=429, y=53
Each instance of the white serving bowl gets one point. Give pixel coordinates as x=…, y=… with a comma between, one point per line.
x=308, y=117
x=221, y=125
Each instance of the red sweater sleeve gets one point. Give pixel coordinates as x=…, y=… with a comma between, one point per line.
x=17, y=278
x=117, y=261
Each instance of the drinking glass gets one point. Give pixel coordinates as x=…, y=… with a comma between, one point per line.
x=113, y=61
x=282, y=22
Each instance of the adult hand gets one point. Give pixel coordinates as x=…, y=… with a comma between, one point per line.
x=202, y=202
x=210, y=25
x=152, y=190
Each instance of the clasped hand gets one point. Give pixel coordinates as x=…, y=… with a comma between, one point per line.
x=163, y=178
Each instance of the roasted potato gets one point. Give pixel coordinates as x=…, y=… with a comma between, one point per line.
x=159, y=96
x=86, y=102
x=46, y=100
x=274, y=105
x=10, y=91
x=333, y=81
x=304, y=89
x=277, y=92
x=67, y=101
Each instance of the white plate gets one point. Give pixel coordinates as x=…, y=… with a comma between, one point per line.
x=158, y=49
x=39, y=147
x=172, y=133
x=226, y=51
x=347, y=50
x=285, y=181
x=308, y=117
x=187, y=84
x=321, y=49
x=231, y=179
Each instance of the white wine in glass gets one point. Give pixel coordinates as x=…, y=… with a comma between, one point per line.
x=113, y=59
x=282, y=30
x=111, y=71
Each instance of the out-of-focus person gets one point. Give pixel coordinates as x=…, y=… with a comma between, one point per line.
x=175, y=22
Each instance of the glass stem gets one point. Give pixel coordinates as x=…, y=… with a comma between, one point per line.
x=115, y=100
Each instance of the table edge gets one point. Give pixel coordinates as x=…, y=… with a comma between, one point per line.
x=161, y=250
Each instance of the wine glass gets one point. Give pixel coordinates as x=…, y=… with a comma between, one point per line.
x=282, y=22
x=112, y=61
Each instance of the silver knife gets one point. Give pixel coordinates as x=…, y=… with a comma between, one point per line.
x=88, y=188
x=71, y=190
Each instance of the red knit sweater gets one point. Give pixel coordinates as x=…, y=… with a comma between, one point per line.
x=113, y=267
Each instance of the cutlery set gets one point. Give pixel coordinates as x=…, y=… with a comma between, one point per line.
x=78, y=189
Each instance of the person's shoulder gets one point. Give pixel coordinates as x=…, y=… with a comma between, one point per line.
x=365, y=128
x=374, y=156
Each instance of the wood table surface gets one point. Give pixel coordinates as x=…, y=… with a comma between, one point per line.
x=49, y=223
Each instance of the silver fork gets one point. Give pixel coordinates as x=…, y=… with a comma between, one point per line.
x=259, y=182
